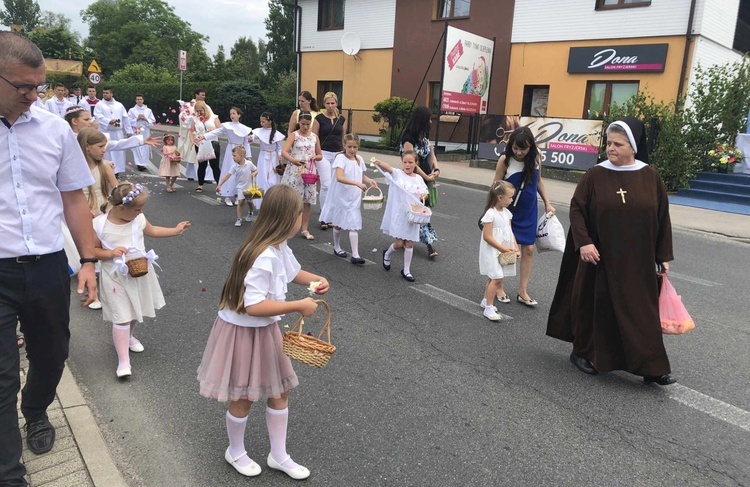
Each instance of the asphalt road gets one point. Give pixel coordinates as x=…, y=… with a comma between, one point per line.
x=422, y=390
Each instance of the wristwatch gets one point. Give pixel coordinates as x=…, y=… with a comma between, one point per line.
x=92, y=260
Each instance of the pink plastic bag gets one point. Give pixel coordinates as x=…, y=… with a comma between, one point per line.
x=675, y=320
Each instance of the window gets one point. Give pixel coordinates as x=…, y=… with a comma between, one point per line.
x=600, y=95
x=742, y=32
x=610, y=4
x=326, y=86
x=448, y=9
x=434, y=97
x=330, y=14
x=535, y=100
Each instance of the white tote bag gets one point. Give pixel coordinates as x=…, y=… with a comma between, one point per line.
x=550, y=234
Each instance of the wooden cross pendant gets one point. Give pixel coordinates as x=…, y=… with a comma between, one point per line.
x=622, y=194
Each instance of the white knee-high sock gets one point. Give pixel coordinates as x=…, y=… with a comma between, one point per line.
x=407, y=260
x=389, y=252
x=337, y=240
x=236, y=434
x=133, y=339
x=354, y=240
x=276, y=421
x=121, y=339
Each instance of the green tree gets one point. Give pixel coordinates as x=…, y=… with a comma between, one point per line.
x=280, y=55
x=393, y=113
x=25, y=13
x=219, y=65
x=143, y=73
x=720, y=101
x=127, y=32
x=52, y=20
x=246, y=58
x=57, y=43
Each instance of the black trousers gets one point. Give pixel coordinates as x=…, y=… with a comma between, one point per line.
x=215, y=168
x=36, y=294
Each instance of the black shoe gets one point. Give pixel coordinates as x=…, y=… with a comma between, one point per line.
x=388, y=265
x=40, y=436
x=358, y=260
x=408, y=277
x=339, y=253
x=662, y=380
x=582, y=364
x=142, y=168
x=191, y=179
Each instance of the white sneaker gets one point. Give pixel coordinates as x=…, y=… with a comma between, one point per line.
x=96, y=305
x=483, y=304
x=135, y=345
x=249, y=217
x=228, y=201
x=238, y=223
x=490, y=312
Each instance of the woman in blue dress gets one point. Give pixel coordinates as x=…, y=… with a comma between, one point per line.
x=520, y=165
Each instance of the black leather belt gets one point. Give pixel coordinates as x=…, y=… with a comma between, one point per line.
x=26, y=259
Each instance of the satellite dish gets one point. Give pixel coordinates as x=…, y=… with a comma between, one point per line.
x=350, y=43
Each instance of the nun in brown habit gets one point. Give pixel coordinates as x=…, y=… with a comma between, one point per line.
x=606, y=301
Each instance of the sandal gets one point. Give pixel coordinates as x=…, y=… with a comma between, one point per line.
x=323, y=226
x=431, y=252
x=307, y=235
x=21, y=341
x=199, y=189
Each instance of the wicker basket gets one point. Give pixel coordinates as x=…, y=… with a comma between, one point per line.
x=418, y=214
x=506, y=258
x=137, y=267
x=311, y=176
x=373, y=201
x=175, y=159
x=306, y=348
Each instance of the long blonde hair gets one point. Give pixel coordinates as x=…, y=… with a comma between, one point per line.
x=276, y=220
x=88, y=136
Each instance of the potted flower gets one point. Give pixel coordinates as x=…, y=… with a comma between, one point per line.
x=723, y=156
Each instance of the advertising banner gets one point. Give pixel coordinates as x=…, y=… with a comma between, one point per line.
x=63, y=66
x=563, y=142
x=644, y=58
x=466, y=78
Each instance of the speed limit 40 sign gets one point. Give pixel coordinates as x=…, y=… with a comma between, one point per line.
x=95, y=78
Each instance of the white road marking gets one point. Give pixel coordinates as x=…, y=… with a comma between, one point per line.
x=694, y=280
x=207, y=199
x=443, y=215
x=328, y=249
x=458, y=302
x=707, y=404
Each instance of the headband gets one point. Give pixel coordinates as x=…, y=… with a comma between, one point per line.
x=74, y=110
x=132, y=195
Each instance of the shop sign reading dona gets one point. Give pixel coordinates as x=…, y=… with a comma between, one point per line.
x=563, y=142
x=646, y=58
x=466, y=78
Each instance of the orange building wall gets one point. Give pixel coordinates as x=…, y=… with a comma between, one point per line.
x=546, y=63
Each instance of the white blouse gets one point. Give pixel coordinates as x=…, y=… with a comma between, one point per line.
x=266, y=279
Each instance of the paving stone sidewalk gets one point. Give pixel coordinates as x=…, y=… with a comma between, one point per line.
x=80, y=457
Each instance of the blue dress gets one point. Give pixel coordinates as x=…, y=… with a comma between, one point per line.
x=525, y=214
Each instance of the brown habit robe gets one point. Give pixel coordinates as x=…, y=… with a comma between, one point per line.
x=610, y=311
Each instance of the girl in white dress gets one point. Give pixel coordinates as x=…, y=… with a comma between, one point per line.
x=243, y=360
x=271, y=146
x=342, y=206
x=125, y=299
x=402, y=183
x=302, y=150
x=94, y=145
x=236, y=134
x=497, y=236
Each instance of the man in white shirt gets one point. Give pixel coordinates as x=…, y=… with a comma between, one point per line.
x=141, y=118
x=58, y=104
x=90, y=101
x=113, y=119
x=38, y=184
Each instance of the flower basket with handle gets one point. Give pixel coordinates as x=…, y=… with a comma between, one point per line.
x=310, y=350
x=373, y=201
x=310, y=176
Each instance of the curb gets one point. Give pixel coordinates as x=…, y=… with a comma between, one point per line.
x=94, y=450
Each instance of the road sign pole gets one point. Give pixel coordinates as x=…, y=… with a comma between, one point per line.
x=180, y=84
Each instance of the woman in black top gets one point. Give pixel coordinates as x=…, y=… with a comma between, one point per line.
x=416, y=137
x=330, y=129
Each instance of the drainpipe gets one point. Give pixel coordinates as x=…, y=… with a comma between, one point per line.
x=297, y=39
x=686, y=54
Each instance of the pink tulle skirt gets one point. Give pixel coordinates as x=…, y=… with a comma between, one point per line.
x=245, y=363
